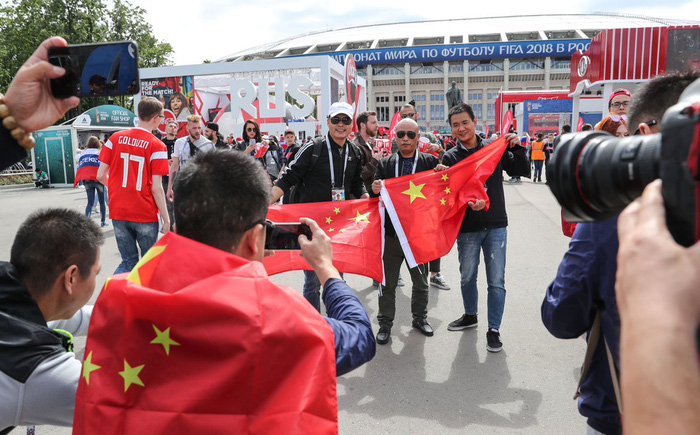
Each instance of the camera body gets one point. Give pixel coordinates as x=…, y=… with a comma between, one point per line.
x=595, y=175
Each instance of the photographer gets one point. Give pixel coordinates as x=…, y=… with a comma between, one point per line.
x=658, y=285
x=585, y=281
x=30, y=103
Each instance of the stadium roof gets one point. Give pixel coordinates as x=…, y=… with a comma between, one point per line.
x=466, y=30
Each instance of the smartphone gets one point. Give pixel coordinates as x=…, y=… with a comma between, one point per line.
x=109, y=68
x=285, y=236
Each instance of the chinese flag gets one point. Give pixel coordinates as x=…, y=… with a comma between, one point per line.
x=427, y=208
x=355, y=228
x=196, y=340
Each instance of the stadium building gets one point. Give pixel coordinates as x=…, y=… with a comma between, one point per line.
x=483, y=56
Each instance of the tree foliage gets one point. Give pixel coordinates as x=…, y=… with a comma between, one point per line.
x=26, y=23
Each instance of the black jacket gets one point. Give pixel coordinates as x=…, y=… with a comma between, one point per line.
x=316, y=179
x=369, y=163
x=386, y=169
x=514, y=162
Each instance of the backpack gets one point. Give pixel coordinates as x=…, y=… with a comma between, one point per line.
x=296, y=191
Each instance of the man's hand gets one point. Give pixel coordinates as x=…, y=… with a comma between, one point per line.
x=170, y=195
x=512, y=139
x=479, y=205
x=376, y=186
x=29, y=95
x=166, y=224
x=441, y=167
x=653, y=271
x=318, y=251
x=432, y=148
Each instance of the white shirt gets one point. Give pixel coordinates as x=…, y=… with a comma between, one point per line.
x=181, y=148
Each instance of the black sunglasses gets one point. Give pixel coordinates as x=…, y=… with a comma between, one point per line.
x=345, y=120
x=269, y=226
x=651, y=123
x=408, y=115
x=401, y=134
x=251, y=129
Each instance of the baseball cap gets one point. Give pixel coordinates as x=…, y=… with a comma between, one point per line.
x=620, y=91
x=289, y=130
x=338, y=108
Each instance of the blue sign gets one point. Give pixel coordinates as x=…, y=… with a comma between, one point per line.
x=553, y=107
x=476, y=51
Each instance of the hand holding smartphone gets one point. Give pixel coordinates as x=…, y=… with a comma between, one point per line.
x=285, y=236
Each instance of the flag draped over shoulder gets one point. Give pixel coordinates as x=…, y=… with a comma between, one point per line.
x=88, y=164
x=355, y=228
x=196, y=340
x=427, y=208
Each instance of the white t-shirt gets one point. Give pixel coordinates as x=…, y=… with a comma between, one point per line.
x=181, y=149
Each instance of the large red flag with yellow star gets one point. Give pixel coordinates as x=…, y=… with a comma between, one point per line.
x=355, y=228
x=199, y=341
x=427, y=208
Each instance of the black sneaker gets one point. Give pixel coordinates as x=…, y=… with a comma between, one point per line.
x=464, y=322
x=383, y=335
x=493, y=341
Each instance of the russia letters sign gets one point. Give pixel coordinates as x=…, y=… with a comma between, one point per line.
x=475, y=51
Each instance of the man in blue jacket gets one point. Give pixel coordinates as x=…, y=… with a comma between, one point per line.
x=585, y=281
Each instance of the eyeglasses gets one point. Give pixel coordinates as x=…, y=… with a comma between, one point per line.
x=251, y=129
x=619, y=104
x=408, y=115
x=401, y=134
x=651, y=123
x=269, y=226
x=337, y=119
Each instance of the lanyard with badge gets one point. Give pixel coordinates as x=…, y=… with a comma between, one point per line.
x=415, y=163
x=337, y=194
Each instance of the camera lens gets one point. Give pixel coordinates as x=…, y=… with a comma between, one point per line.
x=594, y=175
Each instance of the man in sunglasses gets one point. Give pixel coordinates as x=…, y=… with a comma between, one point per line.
x=407, y=161
x=409, y=111
x=585, y=281
x=325, y=169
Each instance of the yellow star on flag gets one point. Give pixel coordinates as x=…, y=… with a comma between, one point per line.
x=445, y=177
x=150, y=255
x=329, y=220
x=447, y=191
x=414, y=191
x=330, y=230
x=442, y=201
x=361, y=217
x=131, y=375
x=89, y=367
x=163, y=337
x=342, y=230
x=336, y=210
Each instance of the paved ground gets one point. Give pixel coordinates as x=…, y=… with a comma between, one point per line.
x=449, y=383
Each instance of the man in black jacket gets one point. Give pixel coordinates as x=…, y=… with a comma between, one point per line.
x=325, y=169
x=408, y=160
x=483, y=230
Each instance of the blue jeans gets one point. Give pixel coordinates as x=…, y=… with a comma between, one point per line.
x=493, y=243
x=128, y=234
x=90, y=188
x=312, y=289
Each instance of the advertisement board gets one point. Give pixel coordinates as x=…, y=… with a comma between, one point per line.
x=176, y=94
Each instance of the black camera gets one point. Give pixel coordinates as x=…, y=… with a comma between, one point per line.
x=594, y=175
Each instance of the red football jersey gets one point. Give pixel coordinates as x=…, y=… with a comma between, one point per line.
x=133, y=156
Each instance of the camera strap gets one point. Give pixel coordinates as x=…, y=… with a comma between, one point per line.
x=593, y=339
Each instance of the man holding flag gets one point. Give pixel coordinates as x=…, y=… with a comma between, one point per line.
x=407, y=161
x=483, y=229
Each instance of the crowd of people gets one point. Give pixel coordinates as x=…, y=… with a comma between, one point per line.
x=624, y=280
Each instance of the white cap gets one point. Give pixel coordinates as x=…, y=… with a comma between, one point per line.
x=338, y=108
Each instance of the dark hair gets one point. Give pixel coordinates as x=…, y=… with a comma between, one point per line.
x=409, y=105
x=258, y=135
x=566, y=128
x=658, y=94
x=219, y=195
x=587, y=127
x=149, y=107
x=93, y=142
x=363, y=117
x=460, y=108
x=539, y=136
x=51, y=240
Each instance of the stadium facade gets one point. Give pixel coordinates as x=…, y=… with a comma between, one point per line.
x=483, y=56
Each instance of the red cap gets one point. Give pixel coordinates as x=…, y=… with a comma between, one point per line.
x=619, y=91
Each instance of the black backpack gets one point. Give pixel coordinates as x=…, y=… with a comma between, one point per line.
x=296, y=191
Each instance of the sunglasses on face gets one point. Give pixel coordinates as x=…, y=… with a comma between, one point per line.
x=408, y=115
x=401, y=134
x=345, y=120
x=251, y=129
x=269, y=226
x=651, y=123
